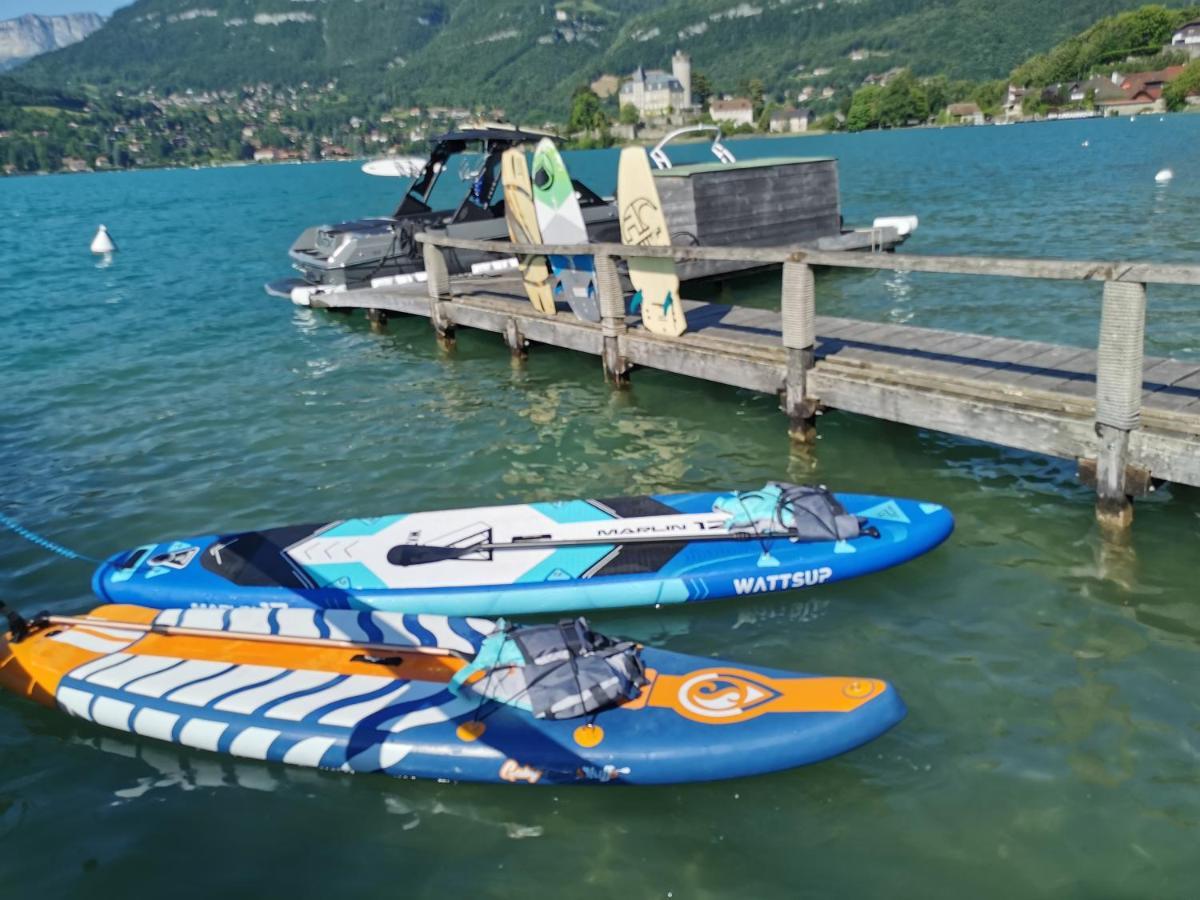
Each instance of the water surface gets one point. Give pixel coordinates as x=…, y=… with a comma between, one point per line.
x=1053, y=743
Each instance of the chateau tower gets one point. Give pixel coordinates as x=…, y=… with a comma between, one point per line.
x=681, y=68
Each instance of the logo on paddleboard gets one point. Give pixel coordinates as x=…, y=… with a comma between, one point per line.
x=722, y=695
x=176, y=557
x=512, y=770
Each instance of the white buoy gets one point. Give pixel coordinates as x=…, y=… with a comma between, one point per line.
x=1086, y=144
x=102, y=243
x=1164, y=176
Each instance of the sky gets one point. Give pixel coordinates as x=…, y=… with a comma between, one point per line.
x=10, y=9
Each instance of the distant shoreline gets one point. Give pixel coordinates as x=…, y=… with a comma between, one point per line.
x=639, y=142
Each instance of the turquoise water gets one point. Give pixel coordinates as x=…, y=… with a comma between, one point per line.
x=1053, y=743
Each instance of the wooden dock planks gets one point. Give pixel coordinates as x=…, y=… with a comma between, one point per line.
x=1029, y=395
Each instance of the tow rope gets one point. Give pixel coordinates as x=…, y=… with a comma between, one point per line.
x=45, y=543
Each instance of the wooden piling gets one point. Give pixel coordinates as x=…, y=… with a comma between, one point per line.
x=1118, y=396
x=517, y=345
x=378, y=319
x=799, y=338
x=440, y=296
x=612, y=320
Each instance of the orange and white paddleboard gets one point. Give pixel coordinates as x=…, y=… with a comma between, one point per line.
x=358, y=691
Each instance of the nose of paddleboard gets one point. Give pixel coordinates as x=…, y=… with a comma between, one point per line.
x=118, y=569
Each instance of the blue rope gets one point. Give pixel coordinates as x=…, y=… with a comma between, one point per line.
x=44, y=543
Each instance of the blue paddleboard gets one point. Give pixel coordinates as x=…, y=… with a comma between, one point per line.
x=695, y=552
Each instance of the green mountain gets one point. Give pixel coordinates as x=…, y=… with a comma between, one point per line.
x=527, y=56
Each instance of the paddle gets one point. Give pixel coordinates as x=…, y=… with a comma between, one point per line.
x=422, y=554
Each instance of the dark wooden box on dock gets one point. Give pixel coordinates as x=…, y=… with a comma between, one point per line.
x=774, y=201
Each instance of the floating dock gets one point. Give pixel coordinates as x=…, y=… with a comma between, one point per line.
x=1128, y=420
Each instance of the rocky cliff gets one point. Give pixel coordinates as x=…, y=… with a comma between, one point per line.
x=31, y=35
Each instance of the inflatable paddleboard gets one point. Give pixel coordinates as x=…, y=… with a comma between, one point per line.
x=521, y=216
x=643, y=224
x=375, y=692
x=561, y=222
x=571, y=555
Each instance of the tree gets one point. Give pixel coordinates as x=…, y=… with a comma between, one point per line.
x=701, y=89
x=1142, y=32
x=629, y=114
x=989, y=96
x=587, y=112
x=902, y=101
x=1187, y=83
x=827, y=123
x=864, y=108
x=757, y=94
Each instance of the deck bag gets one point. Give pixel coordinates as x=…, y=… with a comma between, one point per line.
x=554, y=671
x=803, y=512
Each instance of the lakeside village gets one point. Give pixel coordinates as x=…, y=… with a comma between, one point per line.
x=265, y=123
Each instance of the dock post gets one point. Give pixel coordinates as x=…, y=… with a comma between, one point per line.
x=1118, y=397
x=515, y=340
x=799, y=339
x=438, y=276
x=612, y=319
x=378, y=319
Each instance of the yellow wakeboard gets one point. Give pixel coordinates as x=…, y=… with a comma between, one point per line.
x=523, y=228
x=643, y=223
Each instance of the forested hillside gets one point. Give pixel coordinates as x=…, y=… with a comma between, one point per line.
x=527, y=57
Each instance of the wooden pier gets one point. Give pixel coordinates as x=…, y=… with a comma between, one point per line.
x=1126, y=419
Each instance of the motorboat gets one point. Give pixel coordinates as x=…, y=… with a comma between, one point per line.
x=354, y=254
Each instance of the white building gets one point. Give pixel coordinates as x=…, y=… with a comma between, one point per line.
x=791, y=121
x=654, y=92
x=738, y=111
x=1188, y=38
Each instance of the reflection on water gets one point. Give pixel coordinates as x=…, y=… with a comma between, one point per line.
x=180, y=769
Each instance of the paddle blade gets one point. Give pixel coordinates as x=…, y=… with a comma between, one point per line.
x=420, y=555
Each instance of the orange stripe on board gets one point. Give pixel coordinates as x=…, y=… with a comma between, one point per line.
x=722, y=695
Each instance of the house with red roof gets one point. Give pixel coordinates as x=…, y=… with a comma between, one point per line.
x=1140, y=92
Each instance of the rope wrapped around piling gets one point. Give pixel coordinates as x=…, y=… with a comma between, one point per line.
x=612, y=296
x=1119, y=362
x=799, y=306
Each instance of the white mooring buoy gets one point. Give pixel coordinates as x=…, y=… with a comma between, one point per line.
x=1164, y=176
x=102, y=243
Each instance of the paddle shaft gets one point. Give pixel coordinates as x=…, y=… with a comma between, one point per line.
x=545, y=544
x=424, y=554
x=186, y=631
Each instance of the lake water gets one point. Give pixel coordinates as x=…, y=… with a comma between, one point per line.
x=1053, y=743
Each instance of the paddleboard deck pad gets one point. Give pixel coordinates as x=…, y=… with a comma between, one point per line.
x=351, y=563
x=390, y=706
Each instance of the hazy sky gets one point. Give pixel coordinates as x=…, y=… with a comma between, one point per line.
x=10, y=9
